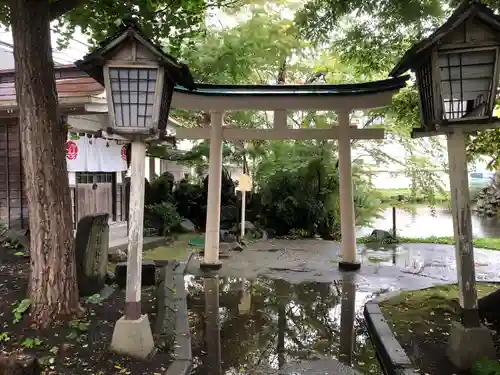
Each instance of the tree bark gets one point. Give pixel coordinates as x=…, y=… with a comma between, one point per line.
x=53, y=287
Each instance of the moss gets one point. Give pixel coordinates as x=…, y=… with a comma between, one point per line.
x=481, y=243
x=179, y=249
x=423, y=311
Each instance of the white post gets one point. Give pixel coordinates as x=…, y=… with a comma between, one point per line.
x=469, y=330
x=132, y=334
x=347, y=219
x=243, y=208
x=462, y=225
x=135, y=233
x=212, y=232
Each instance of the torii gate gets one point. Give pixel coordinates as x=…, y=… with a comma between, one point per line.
x=343, y=99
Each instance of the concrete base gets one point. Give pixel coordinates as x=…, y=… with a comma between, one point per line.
x=210, y=266
x=346, y=266
x=133, y=337
x=468, y=345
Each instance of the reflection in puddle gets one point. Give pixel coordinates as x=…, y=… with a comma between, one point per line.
x=270, y=326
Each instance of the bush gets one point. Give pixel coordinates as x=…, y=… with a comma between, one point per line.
x=304, y=197
x=300, y=200
x=191, y=201
x=163, y=217
x=161, y=189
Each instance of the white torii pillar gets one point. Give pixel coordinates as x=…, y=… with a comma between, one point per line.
x=217, y=133
x=212, y=231
x=347, y=218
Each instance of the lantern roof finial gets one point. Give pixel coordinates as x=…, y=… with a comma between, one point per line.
x=468, y=9
x=93, y=62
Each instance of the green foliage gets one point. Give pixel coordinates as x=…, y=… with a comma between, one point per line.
x=161, y=189
x=79, y=325
x=162, y=216
x=20, y=309
x=486, y=143
x=298, y=187
x=191, y=200
x=4, y=337
x=486, y=366
x=30, y=343
x=371, y=34
x=396, y=197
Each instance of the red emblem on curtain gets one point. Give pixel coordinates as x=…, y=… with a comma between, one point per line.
x=124, y=153
x=71, y=150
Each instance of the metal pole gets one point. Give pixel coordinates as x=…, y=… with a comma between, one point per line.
x=394, y=232
x=243, y=209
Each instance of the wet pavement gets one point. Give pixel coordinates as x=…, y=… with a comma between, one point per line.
x=384, y=268
x=280, y=304
x=266, y=327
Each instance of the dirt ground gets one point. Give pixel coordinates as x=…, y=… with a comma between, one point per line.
x=78, y=346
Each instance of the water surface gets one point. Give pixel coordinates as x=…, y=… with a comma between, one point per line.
x=424, y=222
x=269, y=326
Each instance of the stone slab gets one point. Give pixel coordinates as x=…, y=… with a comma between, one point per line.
x=373, y=308
x=317, y=367
x=179, y=367
x=390, y=353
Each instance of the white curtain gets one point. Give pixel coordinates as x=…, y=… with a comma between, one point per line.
x=84, y=154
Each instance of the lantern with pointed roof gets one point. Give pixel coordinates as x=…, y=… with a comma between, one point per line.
x=457, y=70
x=139, y=79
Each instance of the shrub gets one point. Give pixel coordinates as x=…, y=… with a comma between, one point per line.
x=302, y=200
x=162, y=216
x=161, y=189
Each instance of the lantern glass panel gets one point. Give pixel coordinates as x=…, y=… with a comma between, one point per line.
x=467, y=80
x=134, y=94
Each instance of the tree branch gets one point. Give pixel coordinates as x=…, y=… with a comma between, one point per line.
x=59, y=8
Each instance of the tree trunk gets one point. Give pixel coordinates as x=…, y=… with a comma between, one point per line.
x=53, y=288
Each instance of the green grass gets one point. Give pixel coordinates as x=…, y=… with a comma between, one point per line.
x=394, y=195
x=179, y=249
x=422, y=311
x=481, y=243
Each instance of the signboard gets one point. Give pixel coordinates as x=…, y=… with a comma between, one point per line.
x=245, y=183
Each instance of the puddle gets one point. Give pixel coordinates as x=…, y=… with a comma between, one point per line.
x=266, y=326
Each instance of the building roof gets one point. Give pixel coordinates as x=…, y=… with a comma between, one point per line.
x=66, y=88
x=469, y=8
